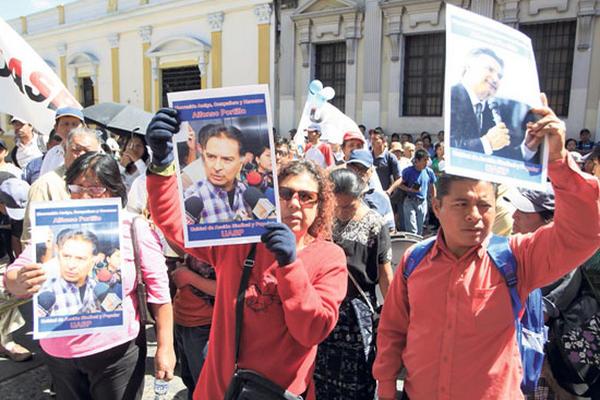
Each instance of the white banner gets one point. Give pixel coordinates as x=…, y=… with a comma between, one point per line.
x=317, y=110
x=29, y=89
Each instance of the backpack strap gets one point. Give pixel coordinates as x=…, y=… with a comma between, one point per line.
x=501, y=254
x=416, y=255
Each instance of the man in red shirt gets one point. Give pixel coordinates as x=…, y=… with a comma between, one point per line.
x=317, y=151
x=451, y=322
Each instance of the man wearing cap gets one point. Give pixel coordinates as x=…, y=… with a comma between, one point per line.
x=352, y=141
x=13, y=196
x=318, y=151
x=66, y=119
x=361, y=162
x=26, y=147
x=386, y=164
x=418, y=182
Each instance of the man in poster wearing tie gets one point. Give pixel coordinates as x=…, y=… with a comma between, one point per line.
x=483, y=123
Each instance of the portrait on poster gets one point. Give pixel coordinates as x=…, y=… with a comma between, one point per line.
x=77, y=242
x=491, y=87
x=225, y=164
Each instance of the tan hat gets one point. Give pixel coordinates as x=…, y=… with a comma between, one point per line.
x=396, y=146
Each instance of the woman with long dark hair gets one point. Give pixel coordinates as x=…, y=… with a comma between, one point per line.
x=107, y=365
x=344, y=360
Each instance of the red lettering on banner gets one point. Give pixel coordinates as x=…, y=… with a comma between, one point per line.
x=41, y=87
x=15, y=66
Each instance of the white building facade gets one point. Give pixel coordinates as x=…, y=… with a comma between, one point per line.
x=385, y=58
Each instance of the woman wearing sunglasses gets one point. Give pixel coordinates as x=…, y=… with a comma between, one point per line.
x=345, y=359
x=107, y=365
x=296, y=286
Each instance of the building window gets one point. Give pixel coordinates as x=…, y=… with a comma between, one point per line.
x=423, y=89
x=87, y=92
x=553, y=45
x=179, y=79
x=330, y=68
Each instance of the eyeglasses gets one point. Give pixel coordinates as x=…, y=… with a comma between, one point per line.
x=93, y=190
x=281, y=153
x=305, y=197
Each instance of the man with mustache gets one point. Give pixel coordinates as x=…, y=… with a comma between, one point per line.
x=221, y=191
x=481, y=122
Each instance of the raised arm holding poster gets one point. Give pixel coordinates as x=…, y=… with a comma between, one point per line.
x=491, y=86
x=225, y=163
x=30, y=89
x=78, y=244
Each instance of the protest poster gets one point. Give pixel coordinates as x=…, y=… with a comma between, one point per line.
x=225, y=160
x=30, y=89
x=491, y=86
x=78, y=244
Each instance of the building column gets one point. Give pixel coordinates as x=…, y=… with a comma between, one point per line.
x=371, y=103
x=155, y=82
x=62, y=54
x=263, y=13
x=216, y=53
x=145, y=33
x=113, y=40
x=76, y=84
x=61, y=14
x=393, y=30
x=582, y=65
x=287, y=49
x=94, y=79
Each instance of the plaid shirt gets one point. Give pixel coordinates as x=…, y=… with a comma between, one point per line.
x=68, y=297
x=216, y=202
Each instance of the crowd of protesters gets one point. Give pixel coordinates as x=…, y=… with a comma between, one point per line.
x=311, y=321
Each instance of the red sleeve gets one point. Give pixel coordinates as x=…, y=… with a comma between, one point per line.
x=559, y=247
x=327, y=153
x=165, y=209
x=311, y=306
x=391, y=334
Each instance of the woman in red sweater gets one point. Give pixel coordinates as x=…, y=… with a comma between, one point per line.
x=295, y=289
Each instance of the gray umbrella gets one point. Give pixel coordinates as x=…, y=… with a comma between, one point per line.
x=118, y=118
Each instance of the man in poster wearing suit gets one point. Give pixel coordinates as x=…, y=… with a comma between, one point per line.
x=483, y=123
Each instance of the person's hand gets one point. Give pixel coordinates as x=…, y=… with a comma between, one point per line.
x=281, y=241
x=164, y=362
x=498, y=136
x=548, y=125
x=159, y=136
x=30, y=279
x=181, y=275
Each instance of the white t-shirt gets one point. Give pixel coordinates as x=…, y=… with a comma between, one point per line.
x=55, y=157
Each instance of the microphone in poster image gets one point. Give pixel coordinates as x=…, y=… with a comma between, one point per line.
x=101, y=290
x=193, y=207
x=253, y=178
x=106, y=296
x=45, y=302
x=258, y=202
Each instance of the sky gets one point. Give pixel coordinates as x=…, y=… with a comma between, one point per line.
x=10, y=9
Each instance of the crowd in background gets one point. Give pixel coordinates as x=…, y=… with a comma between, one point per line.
x=364, y=191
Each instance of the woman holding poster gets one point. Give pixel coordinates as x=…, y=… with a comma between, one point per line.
x=295, y=288
x=105, y=365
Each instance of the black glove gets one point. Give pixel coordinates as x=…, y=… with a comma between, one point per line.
x=281, y=241
x=159, y=135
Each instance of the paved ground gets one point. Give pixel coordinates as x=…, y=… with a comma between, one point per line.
x=30, y=380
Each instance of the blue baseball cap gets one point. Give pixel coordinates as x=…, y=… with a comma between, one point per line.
x=313, y=127
x=362, y=157
x=69, y=112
